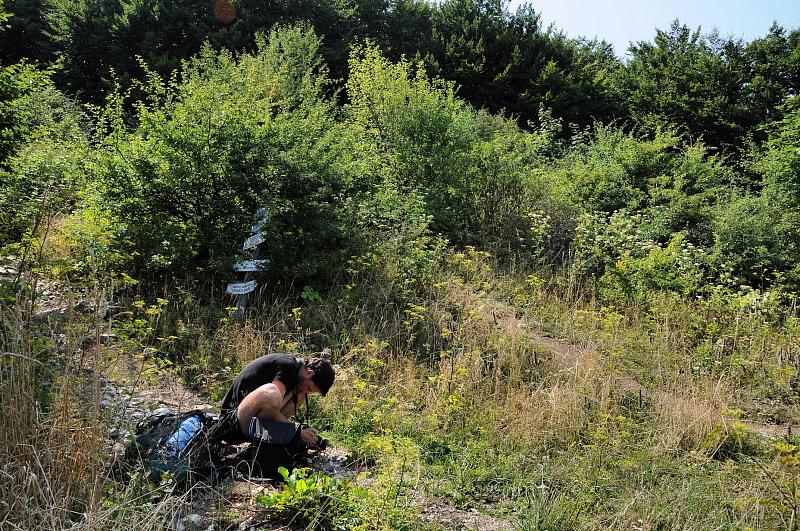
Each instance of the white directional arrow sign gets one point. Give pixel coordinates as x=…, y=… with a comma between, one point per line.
x=254, y=241
x=250, y=265
x=258, y=226
x=241, y=288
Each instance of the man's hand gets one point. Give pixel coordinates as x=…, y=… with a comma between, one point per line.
x=309, y=436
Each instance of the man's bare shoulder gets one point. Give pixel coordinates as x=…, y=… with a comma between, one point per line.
x=272, y=389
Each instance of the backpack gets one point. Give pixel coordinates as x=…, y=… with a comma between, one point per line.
x=178, y=445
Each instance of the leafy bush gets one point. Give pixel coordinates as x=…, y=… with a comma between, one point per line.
x=778, y=214
x=422, y=130
x=610, y=170
x=43, y=150
x=315, y=500
x=515, y=207
x=45, y=178
x=602, y=240
x=468, y=176
x=233, y=135
x=752, y=239
x=17, y=82
x=82, y=245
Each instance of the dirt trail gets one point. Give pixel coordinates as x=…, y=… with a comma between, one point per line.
x=449, y=517
x=567, y=356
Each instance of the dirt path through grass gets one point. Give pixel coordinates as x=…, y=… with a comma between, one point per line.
x=566, y=356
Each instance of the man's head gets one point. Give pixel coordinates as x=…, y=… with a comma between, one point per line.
x=317, y=375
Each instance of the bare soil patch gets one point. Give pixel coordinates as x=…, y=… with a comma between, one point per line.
x=439, y=513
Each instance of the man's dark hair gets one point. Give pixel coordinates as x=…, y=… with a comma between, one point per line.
x=324, y=375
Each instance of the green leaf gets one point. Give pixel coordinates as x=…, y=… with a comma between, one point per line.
x=284, y=473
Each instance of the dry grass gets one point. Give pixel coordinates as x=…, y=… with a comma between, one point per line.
x=688, y=412
x=54, y=447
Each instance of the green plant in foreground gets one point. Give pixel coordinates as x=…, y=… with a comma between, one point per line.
x=316, y=500
x=786, y=497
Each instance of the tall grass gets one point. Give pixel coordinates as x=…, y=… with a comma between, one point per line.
x=54, y=445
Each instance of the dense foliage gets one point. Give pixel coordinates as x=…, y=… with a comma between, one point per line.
x=711, y=86
x=232, y=136
x=353, y=151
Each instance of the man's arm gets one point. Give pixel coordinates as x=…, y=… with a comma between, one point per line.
x=266, y=403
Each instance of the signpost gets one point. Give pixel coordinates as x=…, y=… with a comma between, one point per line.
x=250, y=265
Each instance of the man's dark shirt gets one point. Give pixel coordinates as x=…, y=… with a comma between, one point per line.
x=258, y=372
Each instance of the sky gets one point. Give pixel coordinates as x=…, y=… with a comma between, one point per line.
x=622, y=21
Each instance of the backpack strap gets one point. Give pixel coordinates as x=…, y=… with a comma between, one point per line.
x=295, y=390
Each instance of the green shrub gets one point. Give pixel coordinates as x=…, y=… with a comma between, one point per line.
x=777, y=217
x=43, y=150
x=612, y=170
x=472, y=178
x=317, y=501
x=753, y=239
x=17, y=82
x=233, y=135
x=422, y=131
x=515, y=206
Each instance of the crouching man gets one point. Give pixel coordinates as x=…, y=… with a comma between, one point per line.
x=263, y=397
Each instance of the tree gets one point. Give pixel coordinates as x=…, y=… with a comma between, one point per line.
x=24, y=36
x=509, y=62
x=686, y=79
x=774, y=76
x=720, y=89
